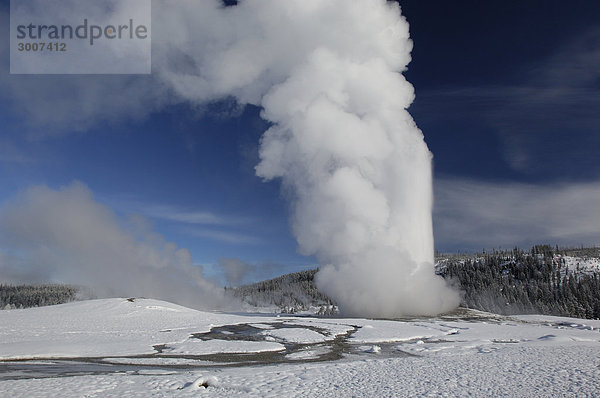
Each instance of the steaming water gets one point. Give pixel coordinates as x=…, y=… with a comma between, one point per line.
x=350, y=158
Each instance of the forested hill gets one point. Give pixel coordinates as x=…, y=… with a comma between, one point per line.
x=291, y=293
x=543, y=280
x=24, y=296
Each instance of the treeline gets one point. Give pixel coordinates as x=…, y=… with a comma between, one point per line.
x=583, y=252
x=291, y=293
x=504, y=282
x=25, y=296
x=516, y=282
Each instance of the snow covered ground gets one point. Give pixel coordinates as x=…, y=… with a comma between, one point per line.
x=587, y=265
x=144, y=348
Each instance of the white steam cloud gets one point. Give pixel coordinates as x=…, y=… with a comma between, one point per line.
x=357, y=169
x=353, y=162
x=66, y=236
x=234, y=269
x=238, y=272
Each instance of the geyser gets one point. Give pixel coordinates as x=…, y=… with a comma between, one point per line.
x=361, y=177
x=351, y=159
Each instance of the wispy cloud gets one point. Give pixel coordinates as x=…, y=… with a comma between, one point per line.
x=230, y=237
x=177, y=214
x=575, y=64
x=189, y=216
x=199, y=223
x=50, y=105
x=546, y=119
x=10, y=153
x=471, y=215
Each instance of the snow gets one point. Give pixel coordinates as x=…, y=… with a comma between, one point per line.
x=374, y=349
x=294, y=335
x=583, y=264
x=478, y=355
x=388, y=331
x=533, y=372
x=117, y=327
x=199, y=347
x=586, y=324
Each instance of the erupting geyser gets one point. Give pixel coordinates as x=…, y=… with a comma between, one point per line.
x=361, y=176
x=355, y=165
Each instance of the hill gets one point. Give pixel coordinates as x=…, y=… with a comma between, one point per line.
x=290, y=293
x=544, y=280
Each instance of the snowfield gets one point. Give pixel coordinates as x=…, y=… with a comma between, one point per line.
x=150, y=348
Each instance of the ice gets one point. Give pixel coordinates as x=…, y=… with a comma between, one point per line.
x=373, y=349
x=331, y=328
x=309, y=353
x=261, y=326
x=200, y=347
x=294, y=335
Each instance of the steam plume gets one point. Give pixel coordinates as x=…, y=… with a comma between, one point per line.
x=349, y=154
x=66, y=236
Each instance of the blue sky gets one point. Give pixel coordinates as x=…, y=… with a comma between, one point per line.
x=515, y=82
x=506, y=96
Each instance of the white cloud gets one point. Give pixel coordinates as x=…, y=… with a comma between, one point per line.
x=472, y=215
